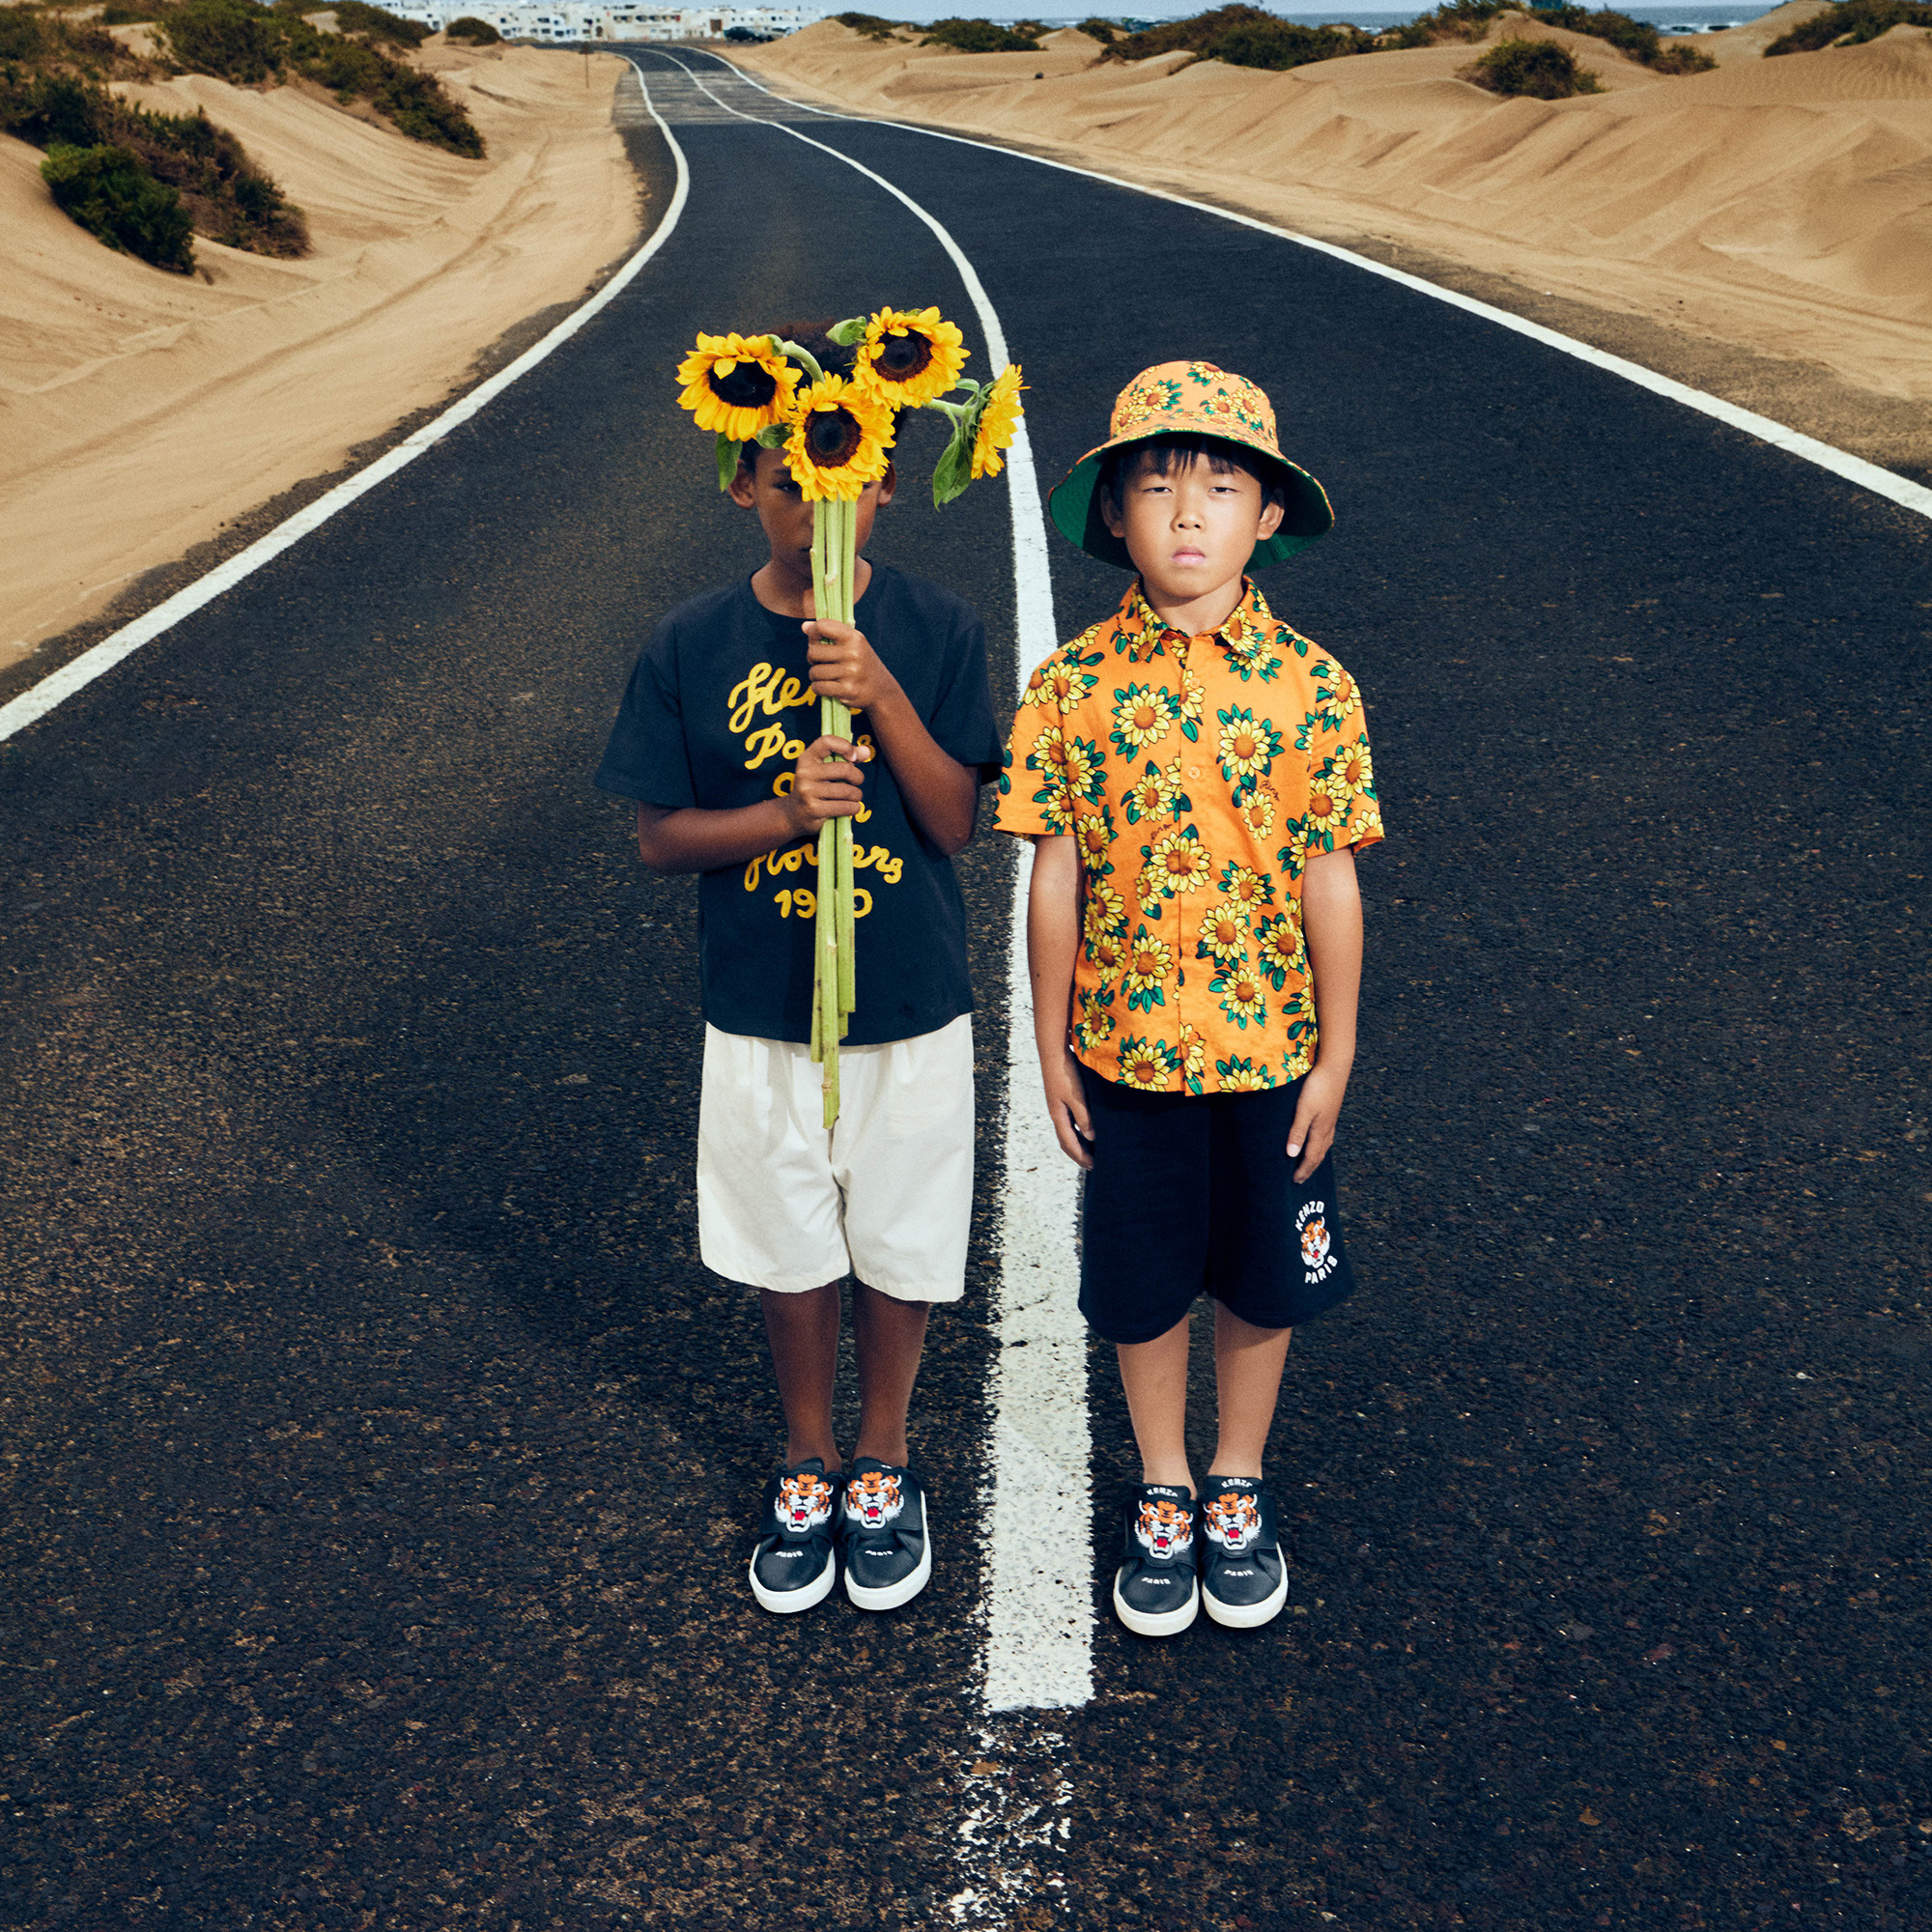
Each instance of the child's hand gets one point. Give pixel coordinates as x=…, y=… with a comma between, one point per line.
x=845, y=667
x=1067, y=1108
x=827, y=783
x=1316, y=1113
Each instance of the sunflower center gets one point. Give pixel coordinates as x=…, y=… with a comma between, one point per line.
x=749, y=385
x=903, y=356
x=831, y=437
x=1245, y=748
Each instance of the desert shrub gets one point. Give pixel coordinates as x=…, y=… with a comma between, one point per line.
x=33, y=39
x=240, y=42
x=120, y=15
x=1681, y=60
x=869, y=24
x=1103, y=31
x=226, y=197
x=982, y=37
x=1241, y=36
x=1852, y=21
x=108, y=192
x=375, y=23
x=1535, y=69
x=1469, y=20
x=478, y=33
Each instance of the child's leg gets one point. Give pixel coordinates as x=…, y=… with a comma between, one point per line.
x=1248, y=1364
x=1154, y=1376
x=803, y=1330
x=889, y=1336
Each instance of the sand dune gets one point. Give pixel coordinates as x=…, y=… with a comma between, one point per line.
x=139, y=410
x=1784, y=206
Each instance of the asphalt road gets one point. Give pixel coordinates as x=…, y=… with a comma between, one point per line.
x=380, y=1461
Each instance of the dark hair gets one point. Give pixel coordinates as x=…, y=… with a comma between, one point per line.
x=1182, y=451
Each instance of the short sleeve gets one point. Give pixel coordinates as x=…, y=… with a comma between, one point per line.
x=646, y=758
x=1343, y=809
x=1035, y=798
x=962, y=723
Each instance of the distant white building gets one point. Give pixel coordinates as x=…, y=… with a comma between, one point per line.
x=574, y=20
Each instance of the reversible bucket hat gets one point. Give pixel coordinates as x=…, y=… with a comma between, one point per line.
x=1190, y=399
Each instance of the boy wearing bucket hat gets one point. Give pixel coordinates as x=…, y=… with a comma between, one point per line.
x=1195, y=778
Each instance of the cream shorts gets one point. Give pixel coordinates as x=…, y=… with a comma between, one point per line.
x=886, y=1195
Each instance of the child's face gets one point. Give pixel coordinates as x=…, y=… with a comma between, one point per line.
x=1190, y=532
x=769, y=488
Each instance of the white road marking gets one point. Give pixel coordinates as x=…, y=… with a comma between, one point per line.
x=1900, y=490
x=1039, y=1595
x=37, y=701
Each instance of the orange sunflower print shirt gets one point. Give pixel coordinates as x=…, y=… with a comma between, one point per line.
x=1197, y=774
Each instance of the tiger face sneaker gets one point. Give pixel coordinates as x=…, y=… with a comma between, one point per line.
x=1155, y=1590
x=797, y=1561
x=1243, y=1574
x=888, y=1553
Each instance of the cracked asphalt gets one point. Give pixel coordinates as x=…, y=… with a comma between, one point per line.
x=380, y=1461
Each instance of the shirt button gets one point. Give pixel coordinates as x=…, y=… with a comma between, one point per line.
x=1194, y=770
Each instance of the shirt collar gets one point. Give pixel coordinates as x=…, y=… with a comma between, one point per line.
x=1144, y=636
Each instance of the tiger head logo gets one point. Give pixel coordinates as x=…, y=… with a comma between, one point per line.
x=1164, y=1528
x=804, y=1501
x=872, y=1498
x=1232, y=1520
x=1315, y=1243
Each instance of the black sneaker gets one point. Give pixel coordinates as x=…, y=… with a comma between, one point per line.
x=1243, y=1574
x=888, y=1553
x=797, y=1560
x=1156, y=1593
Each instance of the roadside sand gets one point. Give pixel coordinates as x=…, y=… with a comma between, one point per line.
x=1765, y=229
x=140, y=410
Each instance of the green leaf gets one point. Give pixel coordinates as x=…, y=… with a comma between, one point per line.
x=853, y=329
x=954, y=470
x=773, y=435
x=728, y=448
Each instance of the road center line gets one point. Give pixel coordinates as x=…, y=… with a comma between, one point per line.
x=1038, y=1602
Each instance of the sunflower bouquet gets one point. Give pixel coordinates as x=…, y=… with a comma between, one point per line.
x=838, y=432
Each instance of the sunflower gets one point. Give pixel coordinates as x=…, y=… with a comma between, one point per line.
x=1354, y=766
x=907, y=359
x=1243, y=996
x=1240, y=1075
x=1248, y=747
x=1108, y=951
x=1243, y=883
x=1194, y=1056
x=1085, y=767
x=1142, y=716
x=1257, y=812
x=1095, y=1024
x=1224, y=934
x=1193, y=697
x=1336, y=695
x=1154, y=794
x=737, y=384
x=1096, y=836
x=999, y=419
x=1148, y=964
x=1105, y=909
x=1181, y=861
x=1279, y=949
x=1327, y=806
x=839, y=434
x=1148, y=1064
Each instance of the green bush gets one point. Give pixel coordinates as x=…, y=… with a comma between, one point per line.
x=1469, y=20
x=1097, y=29
x=1852, y=21
x=119, y=15
x=869, y=24
x=982, y=37
x=357, y=16
x=107, y=190
x=1535, y=69
x=478, y=33
x=240, y=42
x=1241, y=36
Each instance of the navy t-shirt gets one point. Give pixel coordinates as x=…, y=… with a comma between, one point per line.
x=715, y=715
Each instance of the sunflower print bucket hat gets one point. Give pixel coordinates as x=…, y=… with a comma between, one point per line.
x=1197, y=399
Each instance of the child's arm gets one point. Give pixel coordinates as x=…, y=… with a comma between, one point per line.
x=1331, y=925
x=942, y=794
x=692, y=839
x=1053, y=944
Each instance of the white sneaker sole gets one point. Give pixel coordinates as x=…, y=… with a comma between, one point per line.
x=894, y=1594
x=1249, y=1617
x=784, y=1603
x=1157, y=1623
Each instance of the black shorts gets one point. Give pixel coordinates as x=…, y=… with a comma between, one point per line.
x=1194, y=1194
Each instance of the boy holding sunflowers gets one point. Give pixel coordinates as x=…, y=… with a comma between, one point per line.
x=1195, y=778
x=715, y=742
